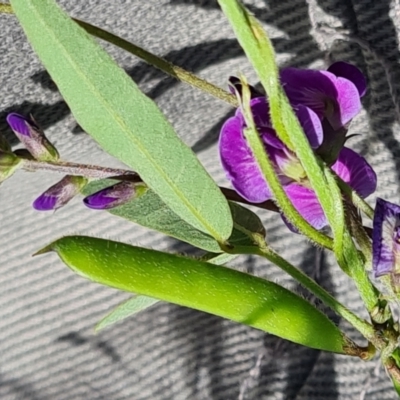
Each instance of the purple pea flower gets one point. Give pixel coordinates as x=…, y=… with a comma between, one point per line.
x=333, y=94
x=386, y=238
x=33, y=138
x=243, y=171
x=111, y=196
x=60, y=194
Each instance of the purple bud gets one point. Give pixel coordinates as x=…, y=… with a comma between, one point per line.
x=33, y=138
x=9, y=163
x=60, y=194
x=386, y=238
x=112, y=196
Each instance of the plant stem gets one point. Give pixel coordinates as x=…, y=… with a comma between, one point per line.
x=267, y=169
x=158, y=62
x=352, y=195
x=88, y=171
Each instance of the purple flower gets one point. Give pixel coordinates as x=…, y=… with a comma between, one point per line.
x=60, y=194
x=333, y=94
x=111, y=196
x=33, y=138
x=385, y=238
x=242, y=169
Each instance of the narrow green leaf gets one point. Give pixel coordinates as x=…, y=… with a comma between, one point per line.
x=200, y=285
x=126, y=309
x=139, y=303
x=150, y=211
x=126, y=123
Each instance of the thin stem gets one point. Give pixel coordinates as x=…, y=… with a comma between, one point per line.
x=97, y=172
x=6, y=8
x=158, y=62
x=267, y=169
x=358, y=232
x=88, y=171
x=352, y=195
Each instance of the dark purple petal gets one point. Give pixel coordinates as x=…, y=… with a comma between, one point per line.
x=260, y=110
x=45, y=202
x=334, y=98
x=350, y=72
x=310, y=88
x=356, y=172
x=239, y=164
x=311, y=125
x=385, y=237
x=111, y=197
x=306, y=203
x=236, y=86
x=268, y=136
x=349, y=104
x=20, y=124
x=60, y=194
x=32, y=137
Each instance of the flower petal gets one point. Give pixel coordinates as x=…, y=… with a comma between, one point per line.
x=328, y=96
x=45, y=202
x=386, y=221
x=306, y=203
x=350, y=72
x=239, y=164
x=311, y=125
x=356, y=172
x=260, y=110
x=60, y=194
x=112, y=196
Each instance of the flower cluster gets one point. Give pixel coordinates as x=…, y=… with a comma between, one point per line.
x=38, y=147
x=325, y=102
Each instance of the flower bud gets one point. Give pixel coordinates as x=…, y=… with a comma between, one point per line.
x=60, y=194
x=9, y=163
x=112, y=196
x=33, y=138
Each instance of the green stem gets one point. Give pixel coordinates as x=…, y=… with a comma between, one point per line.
x=267, y=169
x=358, y=232
x=88, y=171
x=6, y=8
x=359, y=202
x=264, y=251
x=158, y=62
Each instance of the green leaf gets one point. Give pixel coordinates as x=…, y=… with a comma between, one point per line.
x=203, y=286
x=150, y=211
x=126, y=309
x=126, y=123
x=139, y=303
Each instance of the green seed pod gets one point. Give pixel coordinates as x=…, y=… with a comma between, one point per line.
x=203, y=286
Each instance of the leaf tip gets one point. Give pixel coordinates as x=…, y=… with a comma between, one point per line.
x=47, y=249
